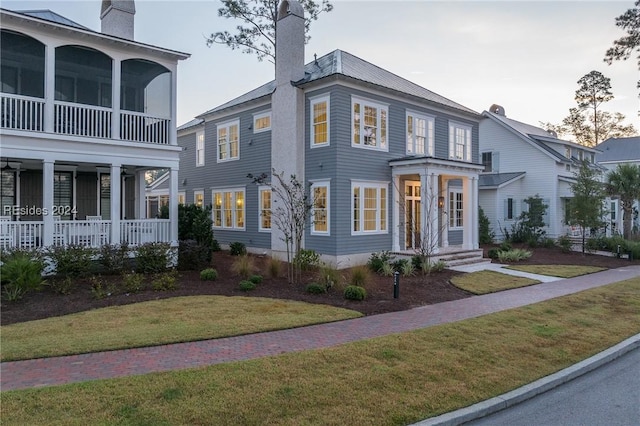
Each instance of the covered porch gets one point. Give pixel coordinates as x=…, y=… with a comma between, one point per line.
x=435, y=208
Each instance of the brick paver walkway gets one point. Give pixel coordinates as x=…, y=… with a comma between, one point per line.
x=103, y=365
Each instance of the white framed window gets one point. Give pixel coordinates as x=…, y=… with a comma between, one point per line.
x=509, y=209
x=198, y=197
x=264, y=215
x=487, y=161
x=319, y=121
x=262, y=122
x=459, y=142
x=369, y=124
x=369, y=208
x=182, y=197
x=320, y=208
x=200, y=148
x=420, y=134
x=229, y=141
x=456, y=211
x=567, y=151
x=228, y=208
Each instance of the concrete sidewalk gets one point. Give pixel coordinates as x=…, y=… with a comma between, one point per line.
x=103, y=365
x=497, y=267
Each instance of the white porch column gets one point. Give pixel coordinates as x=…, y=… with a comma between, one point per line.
x=436, y=225
x=397, y=211
x=445, y=215
x=47, y=201
x=429, y=214
x=173, y=205
x=467, y=214
x=173, y=134
x=49, y=88
x=116, y=197
x=116, y=72
x=141, y=205
x=475, y=241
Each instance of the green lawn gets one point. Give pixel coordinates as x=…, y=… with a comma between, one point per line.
x=392, y=380
x=179, y=319
x=483, y=282
x=562, y=271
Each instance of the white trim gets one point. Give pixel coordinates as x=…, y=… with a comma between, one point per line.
x=200, y=139
x=467, y=154
x=382, y=142
x=429, y=145
x=451, y=213
x=262, y=189
x=259, y=115
x=222, y=209
x=312, y=102
x=227, y=125
x=362, y=184
x=327, y=185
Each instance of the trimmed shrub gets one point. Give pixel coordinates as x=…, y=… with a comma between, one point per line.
x=64, y=285
x=192, y=255
x=354, y=292
x=485, y=234
x=165, y=281
x=315, y=288
x=208, y=274
x=71, y=260
x=438, y=266
x=98, y=288
x=564, y=242
x=114, y=258
x=493, y=253
x=132, y=282
x=246, y=285
x=378, y=260
x=194, y=223
x=256, y=279
x=306, y=259
x=151, y=258
x=237, y=249
x=548, y=243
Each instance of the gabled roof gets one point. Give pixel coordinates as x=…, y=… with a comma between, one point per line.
x=619, y=150
x=346, y=65
x=49, y=15
x=497, y=180
x=190, y=124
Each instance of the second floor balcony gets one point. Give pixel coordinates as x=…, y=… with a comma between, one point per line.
x=79, y=91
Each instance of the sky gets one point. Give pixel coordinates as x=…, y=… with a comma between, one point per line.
x=524, y=55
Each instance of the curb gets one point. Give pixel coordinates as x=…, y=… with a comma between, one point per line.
x=529, y=391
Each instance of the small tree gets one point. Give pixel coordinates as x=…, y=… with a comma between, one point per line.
x=194, y=223
x=585, y=208
x=486, y=234
x=529, y=226
x=624, y=182
x=290, y=214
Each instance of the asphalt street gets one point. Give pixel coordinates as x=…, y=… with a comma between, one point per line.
x=606, y=396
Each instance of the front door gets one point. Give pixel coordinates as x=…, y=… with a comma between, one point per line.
x=413, y=214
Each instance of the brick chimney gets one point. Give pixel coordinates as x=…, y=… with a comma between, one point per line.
x=117, y=18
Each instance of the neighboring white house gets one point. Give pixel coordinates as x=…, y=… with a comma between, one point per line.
x=83, y=115
x=611, y=153
x=521, y=161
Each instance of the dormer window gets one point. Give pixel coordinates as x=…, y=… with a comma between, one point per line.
x=567, y=152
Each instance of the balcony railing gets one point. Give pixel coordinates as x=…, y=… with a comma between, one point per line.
x=82, y=120
x=27, y=113
x=86, y=233
x=22, y=113
x=139, y=127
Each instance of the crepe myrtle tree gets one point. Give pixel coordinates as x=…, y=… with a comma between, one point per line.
x=289, y=214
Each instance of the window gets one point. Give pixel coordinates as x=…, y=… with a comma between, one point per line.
x=7, y=192
x=320, y=121
x=265, y=208
x=369, y=208
x=198, y=198
x=487, y=161
x=262, y=122
x=320, y=208
x=228, y=208
x=369, y=125
x=509, y=209
x=182, y=198
x=455, y=209
x=419, y=134
x=199, y=149
x=229, y=141
x=105, y=196
x=567, y=152
x=459, y=142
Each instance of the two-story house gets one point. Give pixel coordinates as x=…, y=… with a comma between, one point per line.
x=611, y=153
x=389, y=165
x=84, y=114
x=522, y=161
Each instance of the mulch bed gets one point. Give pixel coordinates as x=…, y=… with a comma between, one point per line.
x=415, y=291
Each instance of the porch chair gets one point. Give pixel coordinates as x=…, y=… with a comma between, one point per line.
x=99, y=232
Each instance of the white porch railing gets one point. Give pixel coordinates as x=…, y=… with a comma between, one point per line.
x=22, y=113
x=137, y=127
x=86, y=233
x=141, y=231
x=82, y=120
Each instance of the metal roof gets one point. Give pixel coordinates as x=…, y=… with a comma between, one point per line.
x=494, y=180
x=619, y=149
x=49, y=15
x=191, y=123
x=340, y=63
